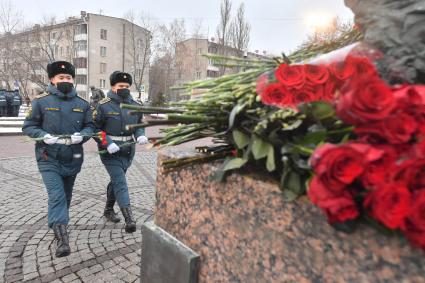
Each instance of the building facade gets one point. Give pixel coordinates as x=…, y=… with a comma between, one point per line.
x=97, y=45
x=192, y=65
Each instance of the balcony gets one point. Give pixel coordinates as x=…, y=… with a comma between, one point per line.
x=81, y=54
x=213, y=68
x=81, y=71
x=81, y=36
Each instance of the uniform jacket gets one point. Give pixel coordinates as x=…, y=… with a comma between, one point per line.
x=58, y=114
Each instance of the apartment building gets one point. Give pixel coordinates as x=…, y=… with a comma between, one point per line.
x=96, y=44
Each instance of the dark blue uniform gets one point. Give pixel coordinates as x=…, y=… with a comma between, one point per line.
x=109, y=117
x=17, y=102
x=3, y=103
x=58, y=114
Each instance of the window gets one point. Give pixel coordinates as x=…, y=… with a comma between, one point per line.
x=80, y=79
x=103, y=51
x=80, y=29
x=199, y=51
x=103, y=34
x=102, y=68
x=80, y=45
x=56, y=51
x=80, y=62
x=67, y=51
x=198, y=75
x=61, y=51
x=139, y=43
x=212, y=74
x=102, y=83
x=54, y=35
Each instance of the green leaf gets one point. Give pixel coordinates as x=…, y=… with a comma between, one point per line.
x=240, y=139
x=235, y=111
x=320, y=110
x=218, y=175
x=234, y=163
x=270, y=164
x=260, y=148
x=312, y=138
x=289, y=195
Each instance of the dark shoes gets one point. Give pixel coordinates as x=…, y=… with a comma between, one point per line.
x=130, y=223
x=61, y=235
x=109, y=212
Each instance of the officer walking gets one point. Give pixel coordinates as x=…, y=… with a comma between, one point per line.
x=109, y=117
x=59, y=111
x=3, y=103
x=17, y=102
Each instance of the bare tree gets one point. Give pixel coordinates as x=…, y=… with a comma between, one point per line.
x=223, y=29
x=165, y=63
x=240, y=30
x=140, y=48
x=10, y=17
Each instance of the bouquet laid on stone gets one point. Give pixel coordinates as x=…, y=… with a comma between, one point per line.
x=330, y=128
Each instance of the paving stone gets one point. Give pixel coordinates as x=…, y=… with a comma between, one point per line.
x=101, y=251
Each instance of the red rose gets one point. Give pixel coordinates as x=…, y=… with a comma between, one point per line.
x=365, y=99
x=305, y=94
x=363, y=66
x=396, y=129
x=415, y=222
x=330, y=88
x=338, y=166
x=291, y=76
x=275, y=94
x=378, y=172
x=418, y=150
x=411, y=173
x=316, y=74
x=389, y=204
x=342, y=70
x=339, y=207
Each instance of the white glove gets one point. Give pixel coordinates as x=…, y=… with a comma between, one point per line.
x=142, y=140
x=112, y=148
x=76, y=138
x=49, y=139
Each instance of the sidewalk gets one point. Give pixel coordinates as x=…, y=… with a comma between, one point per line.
x=101, y=252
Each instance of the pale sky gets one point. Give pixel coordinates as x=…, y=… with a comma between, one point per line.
x=277, y=25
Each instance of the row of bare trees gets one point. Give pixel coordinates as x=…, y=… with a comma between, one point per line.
x=26, y=50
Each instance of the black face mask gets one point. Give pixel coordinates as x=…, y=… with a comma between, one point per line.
x=123, y=92
x=65, y=87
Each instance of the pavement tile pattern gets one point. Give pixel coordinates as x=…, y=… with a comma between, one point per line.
x=101, y=251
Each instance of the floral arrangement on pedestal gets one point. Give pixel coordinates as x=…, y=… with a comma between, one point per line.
x=331, y=129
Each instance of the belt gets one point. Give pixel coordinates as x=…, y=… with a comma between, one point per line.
x=65, y=141
x=121, y=138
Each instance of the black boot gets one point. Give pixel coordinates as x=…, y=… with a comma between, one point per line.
x=62, y=239
x=130, y=223
x=109, y=212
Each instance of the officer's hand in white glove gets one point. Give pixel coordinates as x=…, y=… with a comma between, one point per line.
x=76, y=138
x=112, y=148
x=49, y=139
x=142, y=140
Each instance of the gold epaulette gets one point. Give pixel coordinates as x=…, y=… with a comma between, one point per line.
x=83, y=98
x=103, y=101
x=41, y=95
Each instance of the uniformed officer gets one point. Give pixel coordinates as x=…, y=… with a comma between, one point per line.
x=3, y=103
x=17, y=102
x=109, y=117
x=96, y=96
x=59, y=111
x=9, y=100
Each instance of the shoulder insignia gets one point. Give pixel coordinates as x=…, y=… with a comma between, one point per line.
x=42, y=95
x=103, y=101
x=82, y=98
